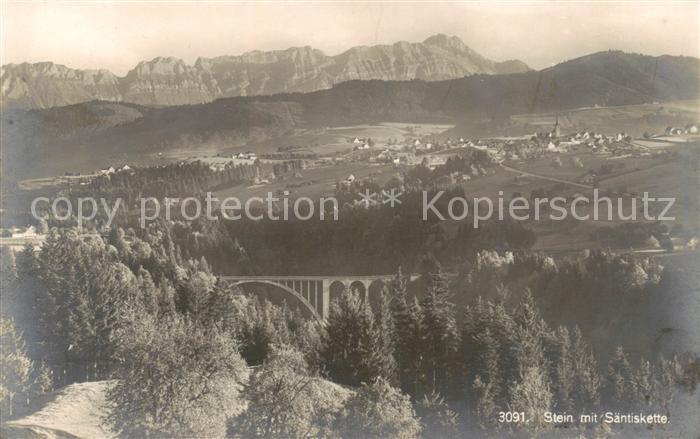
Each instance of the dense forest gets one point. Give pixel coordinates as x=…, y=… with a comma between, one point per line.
x=193, y=357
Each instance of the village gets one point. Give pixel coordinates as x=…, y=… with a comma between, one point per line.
x=549, y=161
x=582, y=157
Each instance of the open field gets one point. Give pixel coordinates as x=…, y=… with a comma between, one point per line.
x=677, y=179
x=674, y=176
x=314, y=183
x=654, y=143
x=338, y=140
x=635, y=119
x=591, y=162
x=325, y=142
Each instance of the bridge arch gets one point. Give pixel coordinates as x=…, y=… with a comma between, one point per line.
x=359, y=287
x=285, y=288
x=374, y=292
x=336, y=289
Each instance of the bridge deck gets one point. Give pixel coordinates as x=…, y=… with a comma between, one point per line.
x=318, y=278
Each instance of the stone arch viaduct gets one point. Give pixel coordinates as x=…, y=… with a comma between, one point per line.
x=315, y=292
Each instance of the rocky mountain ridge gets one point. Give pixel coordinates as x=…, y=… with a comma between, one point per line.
x=170, y=81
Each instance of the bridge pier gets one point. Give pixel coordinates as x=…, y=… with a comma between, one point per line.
x=326, y=301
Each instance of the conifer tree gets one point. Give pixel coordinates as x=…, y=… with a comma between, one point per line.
x=147, y=291
x=8, y=267
x=563, y=370
x=42, y=380
x=674, y=374
x=484, y=406
x=489, y=364
x=405, y=320
x=15, y=367
x=619, y=377
x=644, y=383
x=530, y=333
x=532, y=395
x=380, y=340
x=441, y=336
x=532, y=392
x=341, y=339
x=437, y=418
x=586, y=390
x=354, y=351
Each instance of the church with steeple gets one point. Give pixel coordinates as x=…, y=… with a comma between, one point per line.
x=556, y=131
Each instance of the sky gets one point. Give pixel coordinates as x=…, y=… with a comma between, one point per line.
x=118, y=35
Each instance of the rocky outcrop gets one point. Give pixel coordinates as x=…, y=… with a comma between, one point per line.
x=43, y=85
x=170, y=81
x=167, y=81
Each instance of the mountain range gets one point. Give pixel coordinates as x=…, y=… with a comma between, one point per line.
x=170, y=81
x=105, y=132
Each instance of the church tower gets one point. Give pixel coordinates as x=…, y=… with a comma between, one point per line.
x=556, y=132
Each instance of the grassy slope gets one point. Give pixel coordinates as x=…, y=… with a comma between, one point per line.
x=74, y=411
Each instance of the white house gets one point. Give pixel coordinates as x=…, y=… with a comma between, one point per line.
x=28, y=232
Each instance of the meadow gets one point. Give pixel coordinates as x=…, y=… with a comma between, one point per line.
x=635, y=119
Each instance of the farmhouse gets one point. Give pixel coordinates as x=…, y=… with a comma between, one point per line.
x=432, y=161
x=24, y=233
x=248, y=155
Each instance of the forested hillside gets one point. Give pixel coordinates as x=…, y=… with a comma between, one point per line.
x=178, y=341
